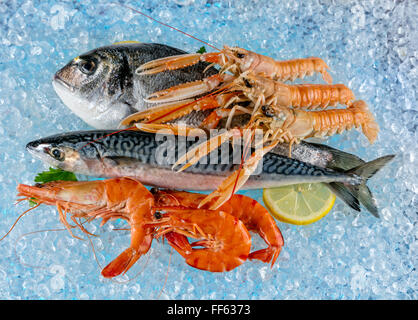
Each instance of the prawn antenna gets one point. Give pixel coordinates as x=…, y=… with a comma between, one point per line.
x=167, y=25
x=27, y=234
x=166, y=276
x=14, y=224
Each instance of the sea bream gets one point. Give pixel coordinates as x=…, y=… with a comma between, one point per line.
x=101, y=87
x=149, y=158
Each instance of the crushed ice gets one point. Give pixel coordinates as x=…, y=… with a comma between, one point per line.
x=369, y=45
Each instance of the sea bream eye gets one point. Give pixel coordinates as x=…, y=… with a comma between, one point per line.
x=87, y=66
x=57, y=154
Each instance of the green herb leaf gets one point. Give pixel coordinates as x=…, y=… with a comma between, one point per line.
x=32, y=202
x=54, y=175
x=201, y=50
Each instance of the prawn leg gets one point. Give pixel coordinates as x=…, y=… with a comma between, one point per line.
x=224, y=240
x=254, y=216
x=178, y=130
x=170, y=111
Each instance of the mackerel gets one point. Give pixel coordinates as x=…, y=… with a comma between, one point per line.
x=149, y=157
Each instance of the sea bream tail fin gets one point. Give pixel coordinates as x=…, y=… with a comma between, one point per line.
x=353, y=195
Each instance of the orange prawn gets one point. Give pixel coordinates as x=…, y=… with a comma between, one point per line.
x=231, y=59
x=224, y=239
x=124, y=198
x=224, y=236
x=221, y=80
x=292, y=126
x=252, y=214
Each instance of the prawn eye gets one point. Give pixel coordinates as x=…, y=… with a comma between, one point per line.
x=240, y=55
x=157, y=215
x=57, y=154
x=87, y=66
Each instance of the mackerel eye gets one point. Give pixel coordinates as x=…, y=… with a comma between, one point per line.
x=57, y=154
x=87, y=66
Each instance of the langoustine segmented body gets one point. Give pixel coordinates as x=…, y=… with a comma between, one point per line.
x=238, y=60
x=292, y=125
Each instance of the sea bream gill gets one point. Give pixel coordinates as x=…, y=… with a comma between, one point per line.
x=101, y=86
x=149, y=158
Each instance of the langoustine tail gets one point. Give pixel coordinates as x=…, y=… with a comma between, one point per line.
x=369, y=126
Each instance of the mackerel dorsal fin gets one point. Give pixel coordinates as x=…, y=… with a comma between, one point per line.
x=124, y=42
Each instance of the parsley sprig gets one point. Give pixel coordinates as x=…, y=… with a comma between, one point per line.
x=55, y=175
x=52, y=175
x=201, y=50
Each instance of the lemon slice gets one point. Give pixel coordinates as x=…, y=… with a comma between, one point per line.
x=299, y=204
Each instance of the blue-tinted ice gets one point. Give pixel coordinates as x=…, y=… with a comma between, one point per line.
x=370, y=45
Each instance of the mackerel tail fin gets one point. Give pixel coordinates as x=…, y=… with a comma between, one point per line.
x=340, y=160
x=353, y=195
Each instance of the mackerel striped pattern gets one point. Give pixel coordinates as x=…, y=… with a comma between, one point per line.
x=162, y=151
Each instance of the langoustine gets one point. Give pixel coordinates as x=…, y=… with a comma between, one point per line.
x=250, y=83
